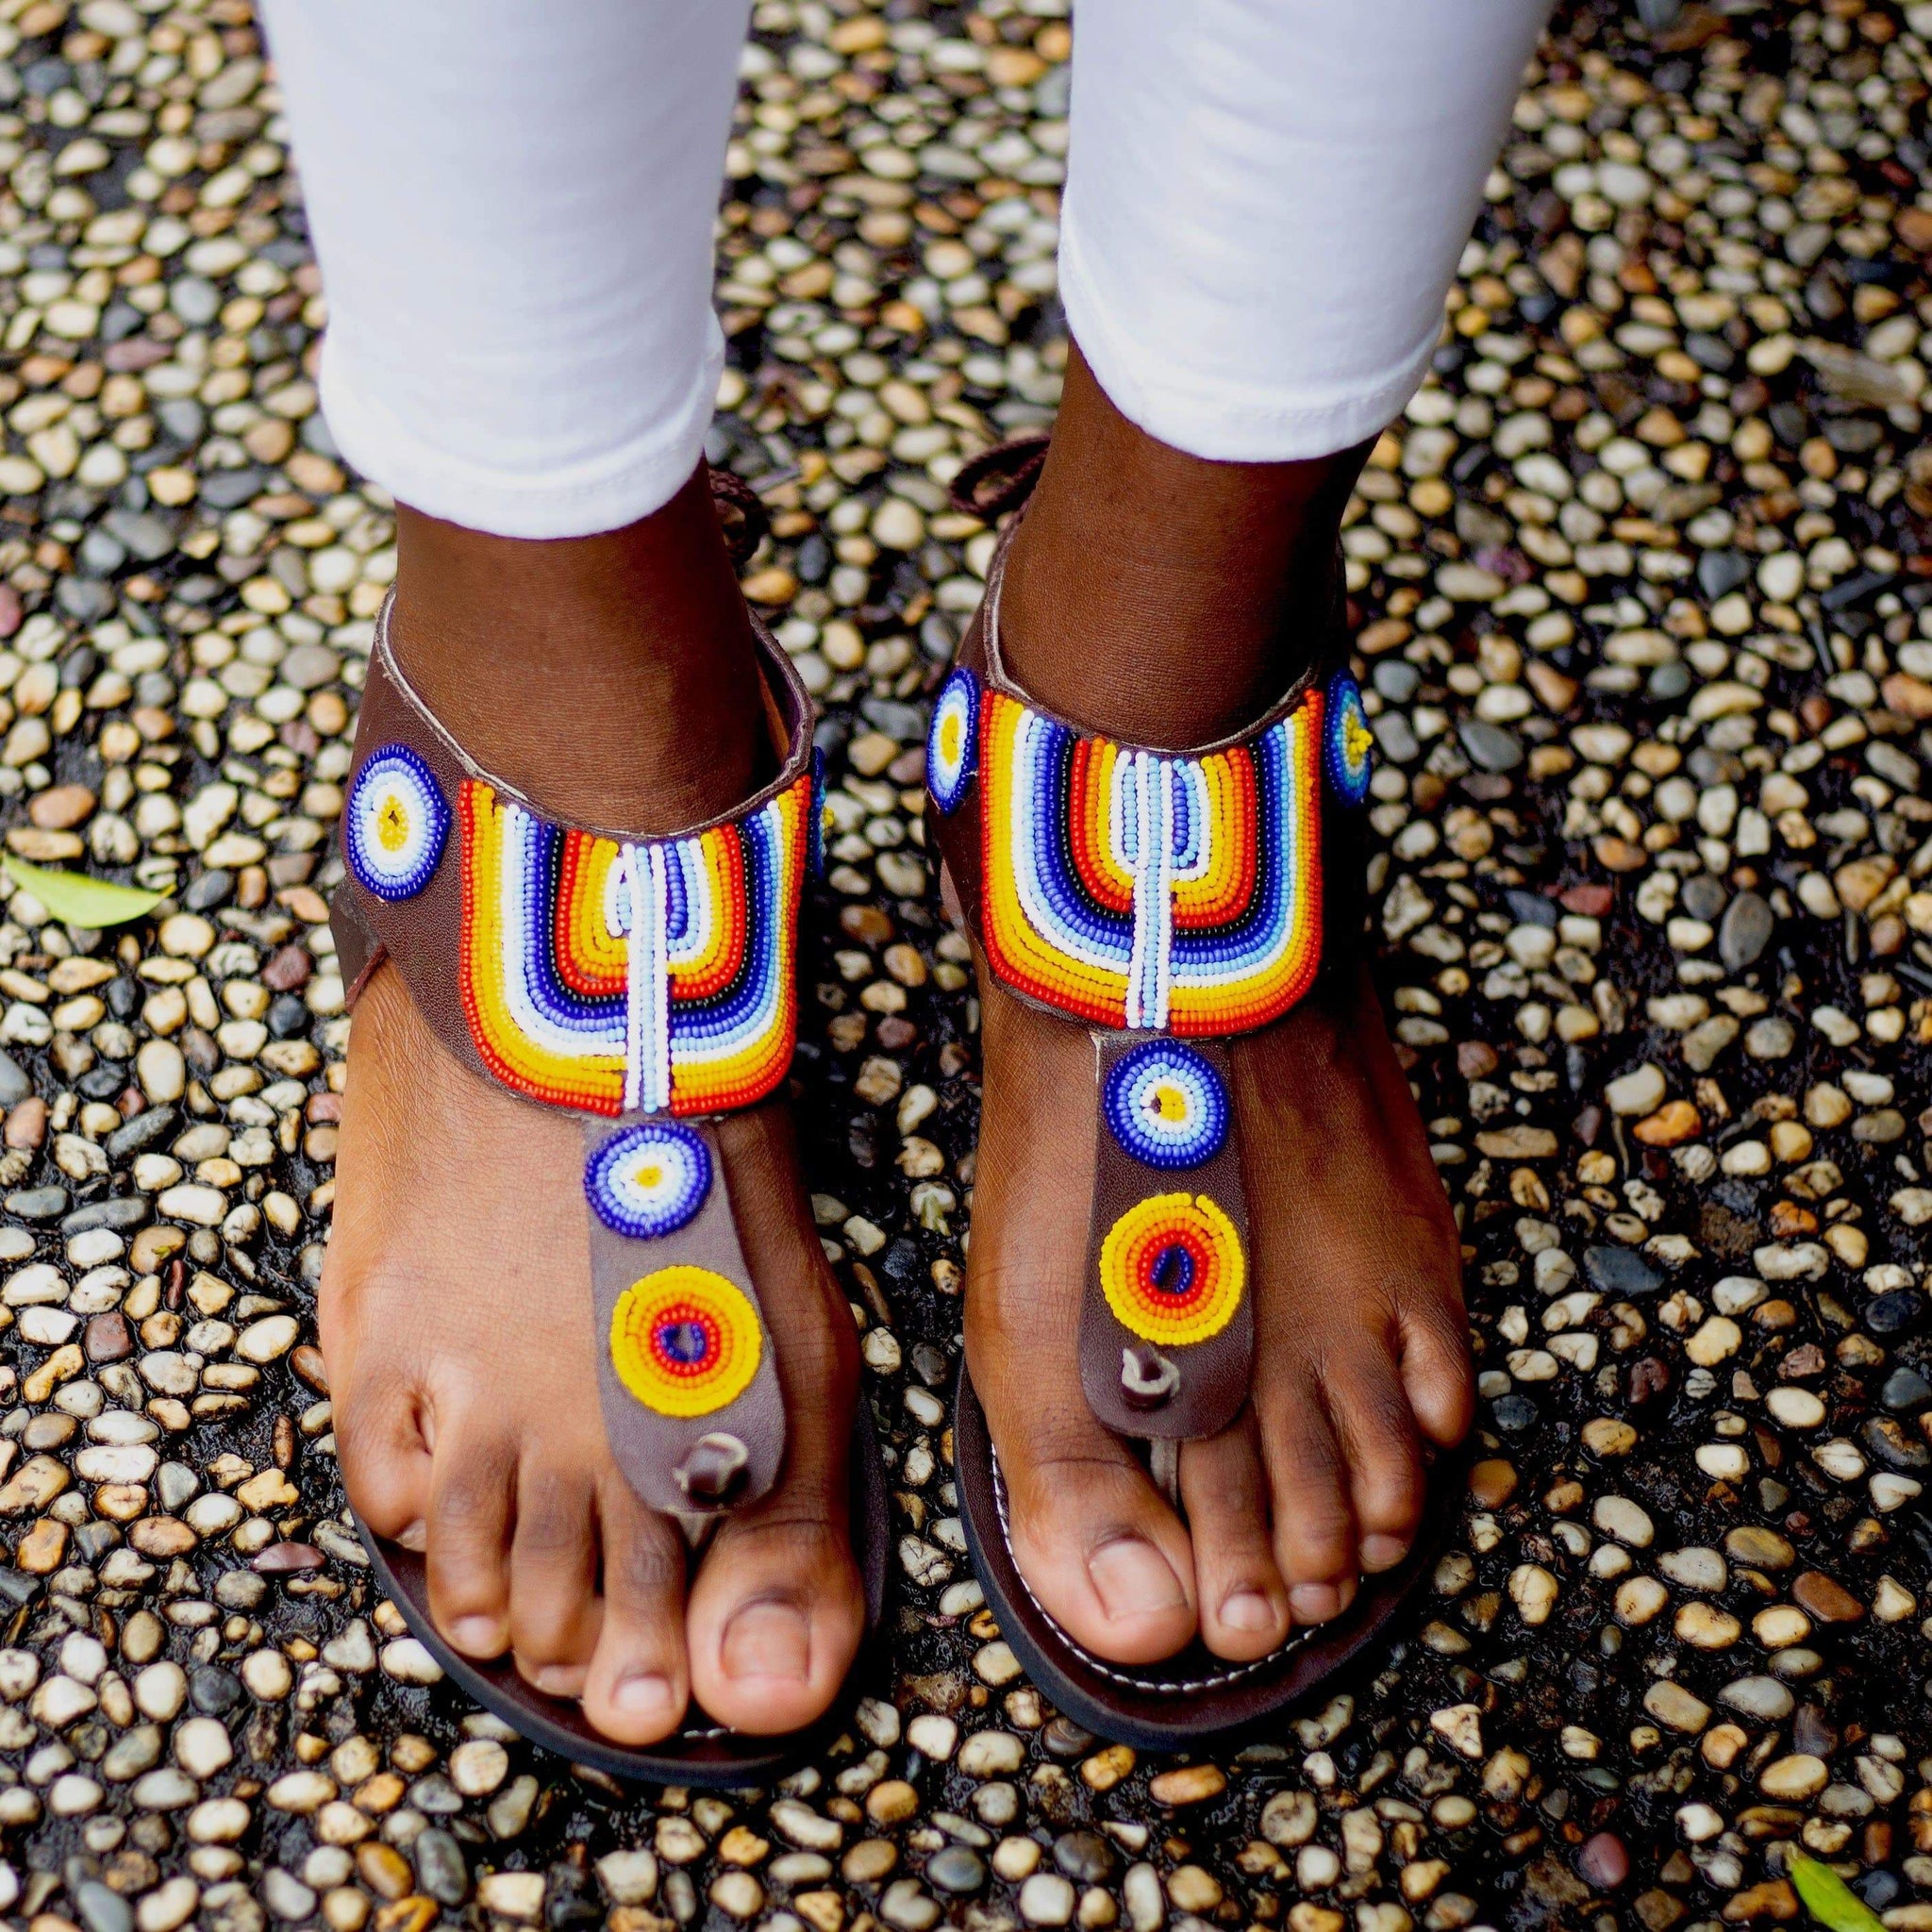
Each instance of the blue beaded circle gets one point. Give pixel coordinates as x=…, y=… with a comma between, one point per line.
x=649, y=1180
x=1349, y=745
x=952, y=744
x=395, y=825
x=1166, y=1105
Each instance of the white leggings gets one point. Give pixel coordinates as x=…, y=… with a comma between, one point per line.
x=513, y=206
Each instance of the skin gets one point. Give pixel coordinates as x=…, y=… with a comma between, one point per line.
x=1152, y=595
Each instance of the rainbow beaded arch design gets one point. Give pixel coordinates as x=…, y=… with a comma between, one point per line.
x=618, y=977
x=686, y=1342
x=1165, y=1106
x=1172, y=1270
x=1349, y=745
x=649, y=1180
x=1131, y=889
x=394, y=823
x=952, y=742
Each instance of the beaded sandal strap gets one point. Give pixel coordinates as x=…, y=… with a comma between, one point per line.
x=647, y=985
x=1168, y=901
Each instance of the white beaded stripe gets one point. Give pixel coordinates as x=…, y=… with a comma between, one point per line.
x=1150, y=968
x=647, y=1007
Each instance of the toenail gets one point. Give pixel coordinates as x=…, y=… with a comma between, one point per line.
x=643, y=1695
x=1383, y=1551
x=416, y=1537
x=561, y=1680
x=477, y=1636
x=1133, y=1579
x=1314, y=1603
x=1248, y=1609
x=767, y=1639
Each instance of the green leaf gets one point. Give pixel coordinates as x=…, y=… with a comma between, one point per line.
x=76, y=899
x=1829, y=1899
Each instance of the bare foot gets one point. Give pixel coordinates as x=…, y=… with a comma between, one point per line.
x=1359, y=1351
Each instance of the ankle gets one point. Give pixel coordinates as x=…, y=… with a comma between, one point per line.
x=612, y=678
x=1159, y=596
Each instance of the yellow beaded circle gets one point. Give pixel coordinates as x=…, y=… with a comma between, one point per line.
x=1172, y=1270
x=685, y=1341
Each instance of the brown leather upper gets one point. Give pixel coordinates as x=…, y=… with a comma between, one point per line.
x=421, y=936
x=1211, y=1375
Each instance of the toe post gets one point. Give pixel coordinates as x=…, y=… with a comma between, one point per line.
x=1148, y=1379
x=712, y=1475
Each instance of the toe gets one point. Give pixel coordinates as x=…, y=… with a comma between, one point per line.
x=1436, y=1374
x=1376, y=1426
x=1102, y=1550
x=638, y=1683
x=1237, y=1584
x=1314, y=1529
x=471, y=1484
x=385, y=1461
x=776, y=1613
x=554, y=1607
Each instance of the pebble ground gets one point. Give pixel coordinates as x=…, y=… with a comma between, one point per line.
x=1644, y=588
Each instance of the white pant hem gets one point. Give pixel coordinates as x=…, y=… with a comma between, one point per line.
x=1235, y=422
x=601, y=493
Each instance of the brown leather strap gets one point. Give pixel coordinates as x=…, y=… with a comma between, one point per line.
x=1000, y=478
x=741, y=514
x=645, y=984
x=653, y=1302
x=1167, y=1327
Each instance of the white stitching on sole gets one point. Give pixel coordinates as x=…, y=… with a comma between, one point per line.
x=1234, y=1674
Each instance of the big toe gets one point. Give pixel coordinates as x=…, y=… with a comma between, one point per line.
x=777, y=1615
x=775, y=1620
x=1107, y=1557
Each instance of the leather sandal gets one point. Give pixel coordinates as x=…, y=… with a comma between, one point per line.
x=649, y=987
x=1169, y=902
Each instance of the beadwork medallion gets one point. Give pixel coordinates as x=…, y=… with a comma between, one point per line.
x=685, y=1342
x=1349, y=750
x=396, y=823
x=953, y=740
x=815, y=817
x=649, y=1180
x=1166, y=1105
x=1172, y=1270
